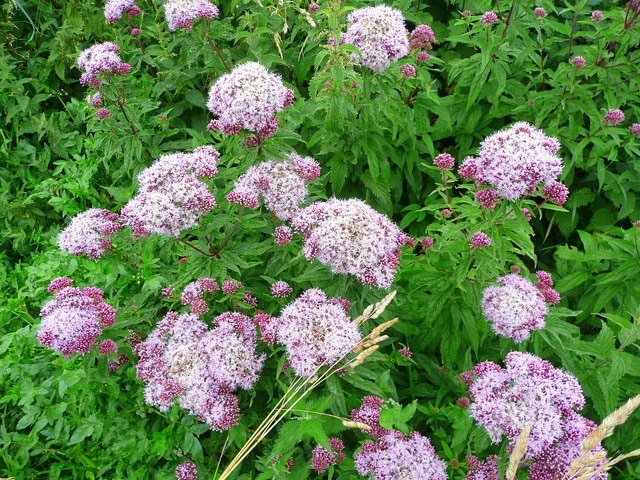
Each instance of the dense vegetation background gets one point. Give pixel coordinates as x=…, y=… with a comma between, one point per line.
x=375, y=136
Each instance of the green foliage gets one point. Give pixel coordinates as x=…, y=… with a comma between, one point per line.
x=375, y=136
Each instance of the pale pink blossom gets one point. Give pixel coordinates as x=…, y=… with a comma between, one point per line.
x=89, y=233
x=99, y=60
x=114, y=10
x=380, y=35
x=183, y=13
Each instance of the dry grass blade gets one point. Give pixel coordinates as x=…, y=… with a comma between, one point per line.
x=590, y=462
x=374, y=311
x=518, y=453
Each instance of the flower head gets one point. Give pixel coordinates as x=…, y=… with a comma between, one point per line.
x=396, y=456
x=596, y=15
x=322, y=459
x=487, y=470
x=539, y=12
x=635, y=129
x=488, y=18
x=530, y=391
x=193, y=295
x=351, y=238
x=199, y=367
x=88, y=233
x=556, y=192
x=316, y=331
x=408, y=71
x=614, y=116
x=187, y=471
x=281, y=289
x=280, y=184
x=71, y=322
x=283, y=235
x=114, y=10
x=578, y=61
x=380, y=35
x=183, y=13
x=248, y=98
x=444, y=161
x=479, y=240
x=515, y=307
x=422, y=38
x=100, y=59
x=515, y=161
x=170, y=197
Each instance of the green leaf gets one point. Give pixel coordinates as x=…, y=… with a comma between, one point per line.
x=83, y=431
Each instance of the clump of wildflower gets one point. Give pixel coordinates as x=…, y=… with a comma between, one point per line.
x=183, y=13
x=313, y=7
x=229, y=287
x=201, y=368
x=614, y=116
x=167, y=292
x=396, y=456
x=187, y=471
x=248, y=98
x=488, y=18
x=422, y=38
x=316, y=331
x=380, y=35
x=193, y=295
x=249, y=298
x=539, y=12
x=71, y=322
x=578, y=61
x=446, y=212
x=280, y=184
x=487, y=470
x=135, y=32
x=427, y=243
x=88, y=233
x=515, y=307
x=170, y=197
x=352, y=238
x=635, y=129
x=281, y=289
x=114, y=10
x=487, y=198
x=515, y=161
x=479, y=240
x=369, y=414
x=107, y=346
x=100, y=59
x=444, y=161
x=408, y=71
x=530, y=391
x=422, y=57
x=322, y=459
x=556, y=192
x=596, y=15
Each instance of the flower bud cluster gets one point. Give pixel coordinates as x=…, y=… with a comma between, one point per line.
x=100, y=60
x=322, y=459
x=380, y=35
x=170, y=197
x=114, y=10
x=71, y=322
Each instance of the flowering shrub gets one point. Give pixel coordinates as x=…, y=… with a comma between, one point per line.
x=465, y=178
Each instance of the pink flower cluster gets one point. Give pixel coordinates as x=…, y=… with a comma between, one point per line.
x=380, y=35
x=100, y=59
x=200, y=368
x=71, y=322
x=515, y=161
x=517, y=306
x=488, y=18
x=187, y=471
x=183, y=13
x=322, y=459
x=487, y=470
x=393, y=455
x=614, y=116
x=315, y=330
x=170, y=197
x=88, y=233
x=193, y=295
x=280, y=184
x=530, y=391
x=352, y=238
x=114, y=10
x=248, y=98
